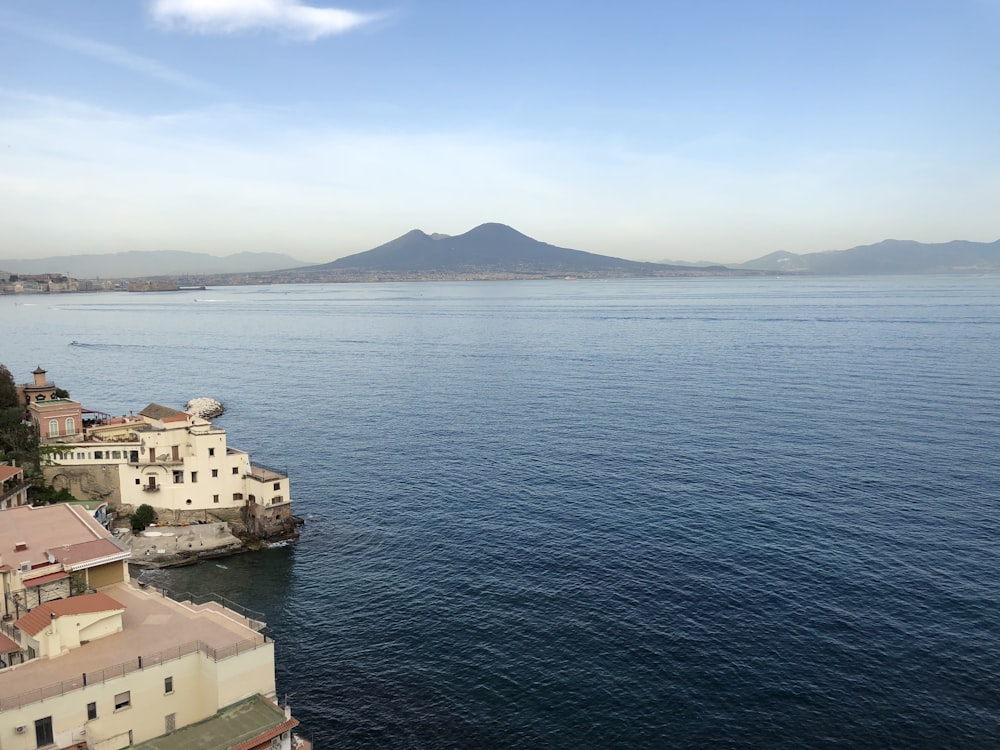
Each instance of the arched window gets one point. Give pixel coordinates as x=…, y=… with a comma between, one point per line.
x=70, y=426
x=53, y=427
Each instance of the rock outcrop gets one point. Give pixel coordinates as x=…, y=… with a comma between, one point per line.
x=206, y=408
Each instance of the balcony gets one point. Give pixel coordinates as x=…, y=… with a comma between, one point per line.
x=150, y=488
x=11, y=491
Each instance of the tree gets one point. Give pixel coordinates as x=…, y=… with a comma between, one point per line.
x=17, y=440
x=8, y=389
x=142, y=517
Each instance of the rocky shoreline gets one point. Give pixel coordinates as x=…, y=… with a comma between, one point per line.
x=166, y=546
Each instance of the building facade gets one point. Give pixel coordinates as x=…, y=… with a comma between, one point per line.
x=89, y=660
x=172, y=460
x=128, y=665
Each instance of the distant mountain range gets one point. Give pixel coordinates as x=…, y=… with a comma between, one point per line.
x=495, y=248
x=135, y=264
x=887, y=257
x=498, y=251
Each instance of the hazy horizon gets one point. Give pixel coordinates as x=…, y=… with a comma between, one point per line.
x=649, y=131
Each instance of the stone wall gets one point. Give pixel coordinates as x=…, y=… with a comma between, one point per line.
x=96, y=481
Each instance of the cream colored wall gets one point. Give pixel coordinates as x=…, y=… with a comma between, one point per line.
x=194, y=457
x=105, y=575
x=250, y=673
x=193, y=444
x=197, y=694
x=66, y=633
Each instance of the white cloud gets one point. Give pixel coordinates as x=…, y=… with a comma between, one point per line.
x=231, y=16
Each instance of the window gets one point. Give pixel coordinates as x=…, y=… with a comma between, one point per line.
x=91, y=711
x=277, y=485
x=237, y=496
x=178, y=477
x=188, y=501
x=211, y=451
x=43, y=732
x=138, y=481
x=236, y=470
x=277, y=499
x=99, y=454
x=123, y=700
x=194, y=476
x=215, y=473
x=215, y=498
x=170, y=722
x=70, y=425
x=53, y=427
x=116, y=454
x=168, y=685
x=81, y=455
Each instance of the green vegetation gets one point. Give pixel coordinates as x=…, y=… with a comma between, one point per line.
x=143, y=516
x=17, y=440
x=8, y=389
x=43, y=494
x=19, y=443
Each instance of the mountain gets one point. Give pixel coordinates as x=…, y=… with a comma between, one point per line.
x=888, y=257
x=137, y=263
x=493, y=248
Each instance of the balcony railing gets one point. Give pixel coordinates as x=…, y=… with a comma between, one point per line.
x=14, y=490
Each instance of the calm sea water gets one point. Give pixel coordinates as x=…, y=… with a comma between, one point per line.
x=753, y=513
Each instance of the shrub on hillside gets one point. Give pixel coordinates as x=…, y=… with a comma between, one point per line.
x=143, y=516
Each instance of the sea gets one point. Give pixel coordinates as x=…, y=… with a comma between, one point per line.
x=650, y=513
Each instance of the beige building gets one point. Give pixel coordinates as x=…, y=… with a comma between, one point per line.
x=129, y=665
x=172, y=460
x=121, y=665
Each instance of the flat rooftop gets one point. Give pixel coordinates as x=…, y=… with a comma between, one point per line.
x=153, y=625
x=70, y=532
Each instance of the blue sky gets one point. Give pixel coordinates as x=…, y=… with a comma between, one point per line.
x=709, y=129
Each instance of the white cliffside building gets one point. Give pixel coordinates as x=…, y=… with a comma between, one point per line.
x=169, y=459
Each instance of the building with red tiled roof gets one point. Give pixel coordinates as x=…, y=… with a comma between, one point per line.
x=42, y=548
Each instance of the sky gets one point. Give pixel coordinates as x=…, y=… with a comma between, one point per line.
x=716, y=130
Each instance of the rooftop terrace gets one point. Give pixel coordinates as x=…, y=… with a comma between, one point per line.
x=176, y=629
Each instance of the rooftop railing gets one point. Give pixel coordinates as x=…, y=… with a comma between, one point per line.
x=145, y=661
x=252, y=618
x=261, y=473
